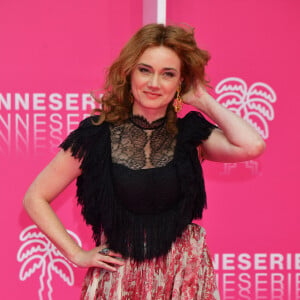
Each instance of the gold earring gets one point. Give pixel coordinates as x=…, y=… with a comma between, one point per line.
x=177, y=104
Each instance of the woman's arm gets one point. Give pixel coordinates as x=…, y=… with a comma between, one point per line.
x=235, y=140
x=57, y=175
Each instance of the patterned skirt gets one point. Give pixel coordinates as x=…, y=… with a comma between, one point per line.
x=185, y=273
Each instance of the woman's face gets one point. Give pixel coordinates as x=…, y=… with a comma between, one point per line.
x=154, y=80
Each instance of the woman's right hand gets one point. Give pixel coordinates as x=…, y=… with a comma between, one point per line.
x=93, y=258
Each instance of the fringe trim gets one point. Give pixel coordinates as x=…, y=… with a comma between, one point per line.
x=140, y=237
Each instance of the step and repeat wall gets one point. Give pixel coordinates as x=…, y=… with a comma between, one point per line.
x=54, y=54
x=253, y=215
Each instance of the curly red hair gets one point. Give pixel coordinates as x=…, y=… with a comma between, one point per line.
x=115, y=103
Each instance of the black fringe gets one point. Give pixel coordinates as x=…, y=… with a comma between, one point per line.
x=140, y=237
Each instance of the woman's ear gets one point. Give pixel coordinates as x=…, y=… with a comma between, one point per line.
x=181, y=84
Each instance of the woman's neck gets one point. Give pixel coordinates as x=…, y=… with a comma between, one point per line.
x=150, y=115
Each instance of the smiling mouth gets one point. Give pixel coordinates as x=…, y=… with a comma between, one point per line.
x=151, y=94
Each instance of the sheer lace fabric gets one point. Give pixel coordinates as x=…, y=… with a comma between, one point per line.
x=138, y=144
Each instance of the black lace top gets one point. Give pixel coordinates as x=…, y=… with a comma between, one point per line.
x=139, y=184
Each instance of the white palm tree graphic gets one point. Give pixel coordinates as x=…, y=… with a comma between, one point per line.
x=37, y=252
x=254, y=105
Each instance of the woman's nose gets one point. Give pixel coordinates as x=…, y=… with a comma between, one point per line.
x=153, y=81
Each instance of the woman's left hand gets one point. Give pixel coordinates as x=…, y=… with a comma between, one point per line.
x=194, y=95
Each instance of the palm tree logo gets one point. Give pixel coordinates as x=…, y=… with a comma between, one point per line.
x=254, y=105
x=37, y=252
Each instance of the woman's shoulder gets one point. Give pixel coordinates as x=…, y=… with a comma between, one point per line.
x=195, y=127
x=90, y=121
x=85, y=136
x=193, y=116
x=89, y=126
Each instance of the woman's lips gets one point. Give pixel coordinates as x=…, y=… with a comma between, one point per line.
x=152, y=95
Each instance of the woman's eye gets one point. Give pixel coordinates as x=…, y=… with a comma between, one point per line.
x=143, y=70
x=169, y=74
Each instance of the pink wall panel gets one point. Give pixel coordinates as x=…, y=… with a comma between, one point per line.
x=254, y=208
x=52, y=55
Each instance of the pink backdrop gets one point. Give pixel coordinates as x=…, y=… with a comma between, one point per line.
x=253, y=209
x=53, y=54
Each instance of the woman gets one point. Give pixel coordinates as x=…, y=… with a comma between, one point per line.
x=139, y=175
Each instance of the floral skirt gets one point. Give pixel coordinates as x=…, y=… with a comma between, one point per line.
x=185, y=273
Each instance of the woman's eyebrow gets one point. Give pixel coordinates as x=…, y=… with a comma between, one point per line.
x=165, y=69
x=145, y=65
x=170, y=69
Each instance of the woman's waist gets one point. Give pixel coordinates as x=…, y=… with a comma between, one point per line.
x=146, y=191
